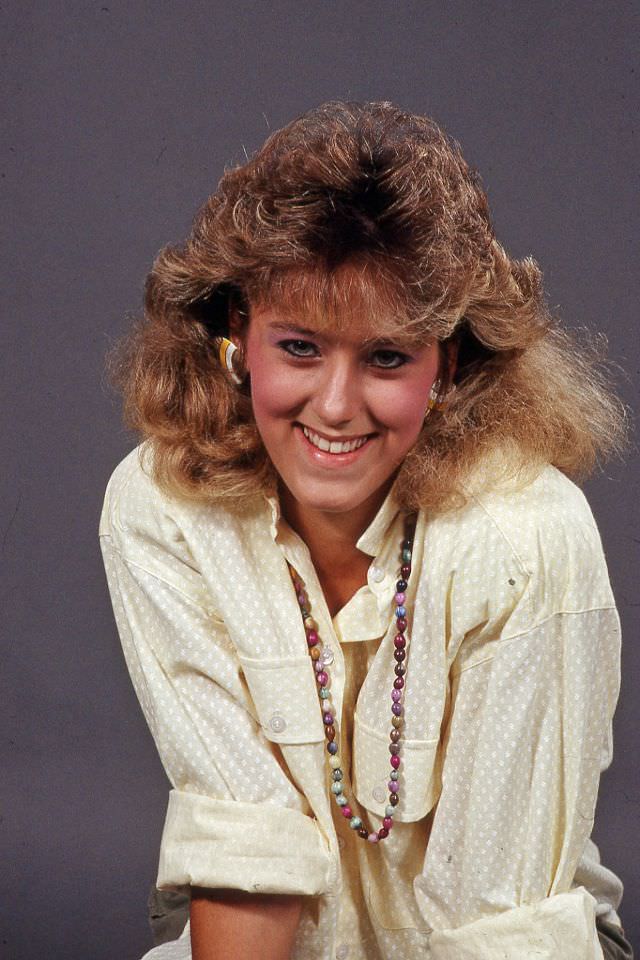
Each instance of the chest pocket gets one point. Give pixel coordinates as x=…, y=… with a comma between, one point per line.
x=285, y=697
x=420, y=773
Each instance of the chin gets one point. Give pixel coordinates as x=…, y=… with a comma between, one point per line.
x=330, y=502
x=327, y=504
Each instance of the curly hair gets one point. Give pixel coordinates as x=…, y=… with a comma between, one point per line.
x=362, y=213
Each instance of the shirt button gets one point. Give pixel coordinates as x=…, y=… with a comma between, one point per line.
x=342, y=952
x=378, y=794
x=377, y=574
x=327, y=655
x=278, y=723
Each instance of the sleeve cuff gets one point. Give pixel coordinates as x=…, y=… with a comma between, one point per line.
x=242, y=846
x=560, y=926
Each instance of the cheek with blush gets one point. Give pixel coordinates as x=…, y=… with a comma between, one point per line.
x=402, y=406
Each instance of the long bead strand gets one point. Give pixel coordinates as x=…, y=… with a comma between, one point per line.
x=321, y=659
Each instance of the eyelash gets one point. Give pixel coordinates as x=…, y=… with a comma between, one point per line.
x=290, y=346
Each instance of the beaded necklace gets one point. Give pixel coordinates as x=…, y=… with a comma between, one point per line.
x=321, y=658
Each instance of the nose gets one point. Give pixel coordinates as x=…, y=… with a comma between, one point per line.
x=337, y=398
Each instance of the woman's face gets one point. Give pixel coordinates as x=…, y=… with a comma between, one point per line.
x=337, y=413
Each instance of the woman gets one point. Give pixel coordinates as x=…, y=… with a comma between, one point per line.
x=364, y=606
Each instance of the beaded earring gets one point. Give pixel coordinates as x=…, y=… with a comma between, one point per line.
x=227, y=350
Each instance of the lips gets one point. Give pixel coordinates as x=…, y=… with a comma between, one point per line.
x=348, y=445
x=346, y=451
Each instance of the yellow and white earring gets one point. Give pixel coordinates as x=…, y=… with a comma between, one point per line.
x=433, y=402
x=226, y=352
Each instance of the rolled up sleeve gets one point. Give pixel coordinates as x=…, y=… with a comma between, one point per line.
x=557, y=927
x=529, y=733
x=235, y=818
x=247, y=846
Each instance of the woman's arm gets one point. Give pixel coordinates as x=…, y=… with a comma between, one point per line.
x=235, y=819
x=229, y=924
x=527, y=740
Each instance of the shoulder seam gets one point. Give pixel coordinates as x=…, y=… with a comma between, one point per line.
x=522, y=633
x=127, y=561
x=504, y=536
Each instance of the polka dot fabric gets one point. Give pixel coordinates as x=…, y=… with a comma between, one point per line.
x=513, y=677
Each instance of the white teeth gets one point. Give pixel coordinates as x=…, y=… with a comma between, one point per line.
x=333, y=446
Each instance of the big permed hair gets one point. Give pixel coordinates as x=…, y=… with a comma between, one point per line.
x=362, y=213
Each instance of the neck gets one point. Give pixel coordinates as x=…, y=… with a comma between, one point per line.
x=331, y=537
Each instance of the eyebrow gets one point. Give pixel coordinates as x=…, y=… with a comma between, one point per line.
x=283, y=326
x=381, y=341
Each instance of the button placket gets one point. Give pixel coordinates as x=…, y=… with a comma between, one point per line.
x=332, y=644
x=382, y=586
x=297, y=554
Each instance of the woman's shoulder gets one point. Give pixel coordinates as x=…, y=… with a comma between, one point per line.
x=142, y=527
x=541, y=496
x=518, y=496
x=133, y=500
x=518, y=553
x=138, y=510
x=540, y=522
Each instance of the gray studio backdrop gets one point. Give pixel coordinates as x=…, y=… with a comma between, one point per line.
x=119, y=120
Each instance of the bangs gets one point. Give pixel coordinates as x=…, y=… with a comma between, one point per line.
x=364, y=298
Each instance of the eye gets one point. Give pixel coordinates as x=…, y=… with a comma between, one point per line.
x=388, y=359
x=299, y=348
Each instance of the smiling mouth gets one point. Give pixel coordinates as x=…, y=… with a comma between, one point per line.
x=334, y=446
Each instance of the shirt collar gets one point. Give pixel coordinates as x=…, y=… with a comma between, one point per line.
x=371, y=541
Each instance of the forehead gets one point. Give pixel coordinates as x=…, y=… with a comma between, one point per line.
x=359, y=302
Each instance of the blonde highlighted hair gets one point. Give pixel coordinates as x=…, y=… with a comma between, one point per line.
x=362, y=213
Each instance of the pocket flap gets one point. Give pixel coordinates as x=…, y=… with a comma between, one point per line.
x=419, y=780
x=284, y=692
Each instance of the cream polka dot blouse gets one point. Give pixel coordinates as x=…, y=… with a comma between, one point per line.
x=513, y=676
